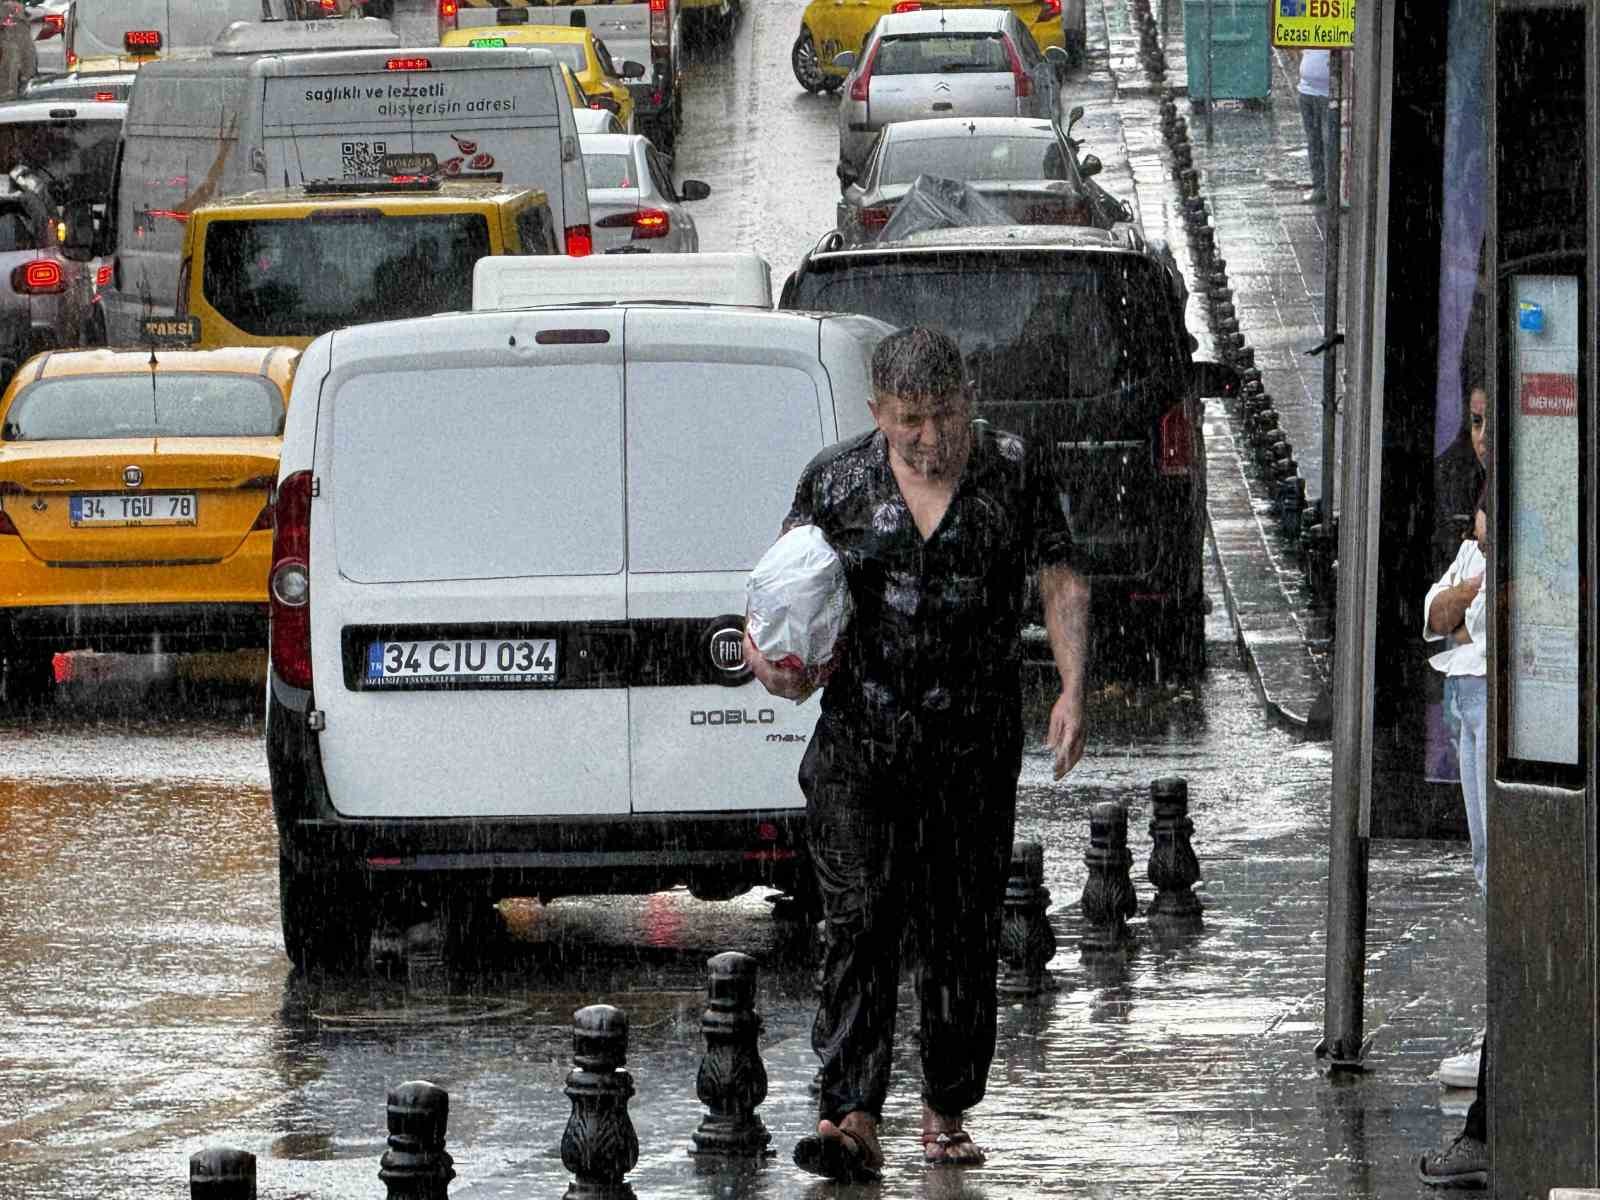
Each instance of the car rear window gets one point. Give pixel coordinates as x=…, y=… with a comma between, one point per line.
x=165, y=404
x=935, y=54
x=76, y=156
x=1078, y=326
x=975, y=159
x=610, y=170
x=301, y=278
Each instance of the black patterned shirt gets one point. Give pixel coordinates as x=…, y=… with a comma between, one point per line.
x=935, y=638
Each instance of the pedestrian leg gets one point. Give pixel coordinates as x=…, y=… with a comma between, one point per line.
x=1472, y=754
x=1314, y=119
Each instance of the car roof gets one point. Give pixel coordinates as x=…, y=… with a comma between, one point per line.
x=943, y=127
x=275, y=362
x=944, y=20
x=451, y=193
x=46, y=109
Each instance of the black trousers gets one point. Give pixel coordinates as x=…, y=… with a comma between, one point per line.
x=1477, y=1126
x=915, y=834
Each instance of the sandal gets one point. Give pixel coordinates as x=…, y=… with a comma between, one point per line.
x=847, y=1158
x=951, y=1148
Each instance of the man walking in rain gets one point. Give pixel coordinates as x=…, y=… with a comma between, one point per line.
x=911, y=775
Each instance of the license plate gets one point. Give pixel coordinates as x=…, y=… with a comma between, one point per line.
x=150, y=508
x=463, y=661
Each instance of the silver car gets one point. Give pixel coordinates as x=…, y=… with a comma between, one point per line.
x=47, y=302
x=634, y=207
x=941, y=62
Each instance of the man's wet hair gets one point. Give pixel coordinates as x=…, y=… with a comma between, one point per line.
x=917, y=361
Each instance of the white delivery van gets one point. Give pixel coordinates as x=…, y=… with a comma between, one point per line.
x=514, y=281
x=508, y=592
x=201, y=129
x=109, y=35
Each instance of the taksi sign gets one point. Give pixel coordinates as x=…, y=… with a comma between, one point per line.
x=1314, y=24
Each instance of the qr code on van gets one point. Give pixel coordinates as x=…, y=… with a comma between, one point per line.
x=363, y=160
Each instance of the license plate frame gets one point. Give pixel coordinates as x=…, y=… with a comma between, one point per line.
x=460, y=663
x=121, y=510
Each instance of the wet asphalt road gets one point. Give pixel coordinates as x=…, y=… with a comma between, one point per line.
x=146, y=1008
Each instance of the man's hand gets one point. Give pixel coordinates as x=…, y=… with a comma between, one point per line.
x=791, y=683
x=1066, y=732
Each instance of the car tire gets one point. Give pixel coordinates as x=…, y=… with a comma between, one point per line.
x=326, y=918
x=807, y=69
x=29, y=678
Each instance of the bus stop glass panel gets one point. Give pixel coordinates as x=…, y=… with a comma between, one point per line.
x=1541, y=554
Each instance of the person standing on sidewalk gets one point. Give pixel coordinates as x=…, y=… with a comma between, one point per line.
x=1313, y=95
x=911, y=775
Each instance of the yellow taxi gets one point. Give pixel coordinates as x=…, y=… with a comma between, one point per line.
x=284, y=266
x=136, y=502
x=585, y=55
x=830, y=27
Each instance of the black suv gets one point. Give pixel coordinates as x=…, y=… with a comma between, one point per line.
x=1075, y=339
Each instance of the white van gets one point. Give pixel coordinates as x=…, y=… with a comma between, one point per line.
x=515, y=281
x=524, y=538
x=198, y=130
x=109, y=35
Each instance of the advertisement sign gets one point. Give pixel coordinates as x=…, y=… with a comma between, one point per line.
x=1314, y=24
x=1542, y=579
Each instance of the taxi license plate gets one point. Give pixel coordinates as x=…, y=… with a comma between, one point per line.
x=462, y=662
x=151, y=508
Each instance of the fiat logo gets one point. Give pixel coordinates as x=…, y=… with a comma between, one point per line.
x=727, y=650
x=132, y=476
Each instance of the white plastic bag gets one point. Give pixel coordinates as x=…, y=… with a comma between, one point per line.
x=799, y=602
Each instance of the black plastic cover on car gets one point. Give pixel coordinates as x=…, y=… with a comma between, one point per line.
x=934, y=203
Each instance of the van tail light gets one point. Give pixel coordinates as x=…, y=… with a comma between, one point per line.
x=1175, y=442
x=39, y=277
x=289, y=581
x=660, y=33
x=863, y=84
x=580, y=242
x=874, y=219
x=447, y=14
x=1024, y=80
x=1051, y=10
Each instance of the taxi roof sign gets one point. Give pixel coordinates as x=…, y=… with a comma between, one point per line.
x=1314, y=24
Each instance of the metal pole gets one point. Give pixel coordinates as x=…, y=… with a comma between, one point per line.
x=1211, y=29
x=1333, y=186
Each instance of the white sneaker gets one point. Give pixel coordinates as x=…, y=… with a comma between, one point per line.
x=1460, y=1070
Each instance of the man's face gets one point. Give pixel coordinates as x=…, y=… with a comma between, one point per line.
x=1479, y=404
x=930, y=434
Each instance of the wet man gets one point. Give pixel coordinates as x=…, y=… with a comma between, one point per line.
x=911, y=776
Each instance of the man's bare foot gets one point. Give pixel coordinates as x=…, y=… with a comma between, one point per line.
x=847, y=1151
x=946, y=1143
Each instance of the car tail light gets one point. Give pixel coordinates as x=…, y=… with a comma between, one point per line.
x=447, y=14
x=40, y=277
x=105, y=95
x=1050, y=11
x=54, y=24
x=874, y=219
x=908, y=6
x=330, y=5
x=142, y=41
x=289, y=581
x=580, y=242
x=72, y=59
x=645, y=222
x=102, y=277
x=412, y=62
x=863, y=84
x=1176, y=441
x=1024, y=81
x=660, y=34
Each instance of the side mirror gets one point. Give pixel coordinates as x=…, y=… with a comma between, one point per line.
x=1075, y=115
x=1056, y=56
x=1089, y=165
x=631, y=69
x=693, y=189
x=845, y=61
x=606, y=104
x=77, y=231
x=1215, y=379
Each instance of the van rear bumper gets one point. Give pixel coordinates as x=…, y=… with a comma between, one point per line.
x=715, y=854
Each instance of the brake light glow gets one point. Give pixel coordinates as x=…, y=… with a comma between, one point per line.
x=330, y=5
x=1051, y=10
x=56, y=21
x=170, y=214
x=447, y=12
x=1176, y=441
x=102, y=277
x=105, y=95
x=39, y=277
x=72, y=59
x=658, y=23
x=651, y=223
x=1024, y=80
x=580, y=242
x=908, y=6
x=414, y=62
x=860, y=89
x=142, y=41
x=289, y=582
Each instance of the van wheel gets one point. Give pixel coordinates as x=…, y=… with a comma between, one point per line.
x=326, y=918
x=808, y=71
x=29, y=678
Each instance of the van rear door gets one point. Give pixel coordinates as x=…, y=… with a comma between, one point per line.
x=724, y=411
x=470, y=654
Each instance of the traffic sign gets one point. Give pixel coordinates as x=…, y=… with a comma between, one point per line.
x=1314, y=24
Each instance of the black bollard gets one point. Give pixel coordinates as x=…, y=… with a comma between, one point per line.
x=1108, y=896
x=599, y=1145
x=1173, y=868
x=1027, y=943
x=733, y=1080
x=416, y=1166
x=222, y=1173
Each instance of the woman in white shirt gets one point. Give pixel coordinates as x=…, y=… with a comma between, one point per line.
x=1456, y=612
